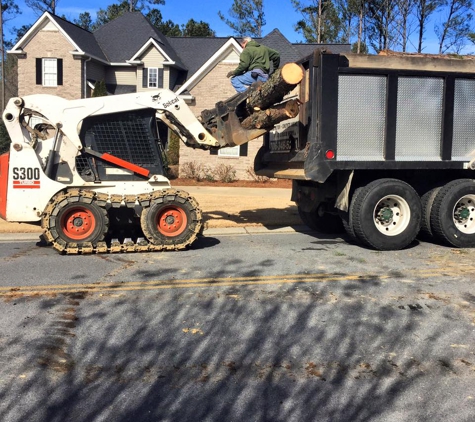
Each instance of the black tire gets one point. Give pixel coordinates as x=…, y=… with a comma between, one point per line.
x=347, y=220
x=80, y=222
x=173, y=219
x=322, y=221
x=386, y=214
x=427, y=201
x=453, y=213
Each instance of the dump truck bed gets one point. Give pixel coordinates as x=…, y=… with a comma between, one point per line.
x=376, y=112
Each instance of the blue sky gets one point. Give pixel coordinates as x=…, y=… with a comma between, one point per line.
x=279, y=14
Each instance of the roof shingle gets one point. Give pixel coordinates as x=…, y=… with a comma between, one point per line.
x=123, y=37
x=85, y=40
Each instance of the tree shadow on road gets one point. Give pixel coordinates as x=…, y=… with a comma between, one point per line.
x=265, y=350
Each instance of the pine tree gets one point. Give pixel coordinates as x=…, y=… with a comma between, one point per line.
x=246, y=17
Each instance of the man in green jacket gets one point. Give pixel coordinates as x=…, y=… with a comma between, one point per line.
x=254, y=64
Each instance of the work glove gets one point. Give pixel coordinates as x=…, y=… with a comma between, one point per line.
x=230, y=74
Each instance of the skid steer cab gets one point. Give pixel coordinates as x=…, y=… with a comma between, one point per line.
x=91, y=171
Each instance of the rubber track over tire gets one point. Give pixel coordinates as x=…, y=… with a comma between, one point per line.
x=180, y=201
x=105, y=201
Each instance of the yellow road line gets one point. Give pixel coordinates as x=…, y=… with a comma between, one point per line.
x=209, y=280
x=220, y=282
x=170, y=284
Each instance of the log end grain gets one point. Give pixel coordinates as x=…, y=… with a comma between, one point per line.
x=292, y=73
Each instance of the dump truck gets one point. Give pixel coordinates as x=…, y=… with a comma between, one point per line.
x=382, y=147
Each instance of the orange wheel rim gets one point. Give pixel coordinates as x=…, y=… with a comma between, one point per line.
x=171, y=221
x=78, y=223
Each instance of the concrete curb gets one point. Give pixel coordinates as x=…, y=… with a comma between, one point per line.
x=224, y=231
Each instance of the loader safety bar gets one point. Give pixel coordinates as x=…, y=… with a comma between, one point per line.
x=118, y=162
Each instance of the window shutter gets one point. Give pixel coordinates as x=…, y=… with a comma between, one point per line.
x=160, y=78
x=59, y=63
x=243, y=150
x=39, y=71
x=144, y=77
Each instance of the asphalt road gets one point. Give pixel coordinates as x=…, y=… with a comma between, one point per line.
x=251, y=327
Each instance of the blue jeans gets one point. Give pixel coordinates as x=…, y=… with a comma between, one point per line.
x=244, y=81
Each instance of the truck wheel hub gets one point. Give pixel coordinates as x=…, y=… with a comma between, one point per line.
x=78, y=222
x=462, y=214
x=385, y=215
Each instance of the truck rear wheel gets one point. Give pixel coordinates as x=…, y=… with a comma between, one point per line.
x=427, y=201
x=321, y=221
x=453, y=213
x=173, y=219
x=348, y=220
x=386, y=214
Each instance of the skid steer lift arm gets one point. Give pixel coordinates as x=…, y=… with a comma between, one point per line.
x=216, y=128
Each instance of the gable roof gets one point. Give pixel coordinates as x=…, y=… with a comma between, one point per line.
x=196, y=51
x=82, y=41
x=292, y=52
x=277, y=41
x=124, y=36
x=307, y=49
x=230, y=45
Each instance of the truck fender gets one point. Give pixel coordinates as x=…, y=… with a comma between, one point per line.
x=335, y=192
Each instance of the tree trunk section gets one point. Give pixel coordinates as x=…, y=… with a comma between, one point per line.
x=267, y=119
x=280, y=83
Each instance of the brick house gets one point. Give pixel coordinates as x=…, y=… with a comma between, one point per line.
x=59, y=58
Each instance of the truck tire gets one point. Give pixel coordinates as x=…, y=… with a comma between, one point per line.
x=453, y=213
x=321, y=221
x=386, y=214
x=348, y=220
x=427, y=201
x=173, y=219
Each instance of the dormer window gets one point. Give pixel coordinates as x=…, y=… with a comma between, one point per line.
x=152, y=77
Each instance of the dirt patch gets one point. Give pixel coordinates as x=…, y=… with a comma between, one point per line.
x=272, y=183
x=260, y=206
x=6, y=227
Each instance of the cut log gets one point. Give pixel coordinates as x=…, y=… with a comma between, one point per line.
x=280, y=83
x=267, y=119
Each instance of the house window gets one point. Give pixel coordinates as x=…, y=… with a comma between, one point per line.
x=229, y=152
x=152, y=77
x=49, y=72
